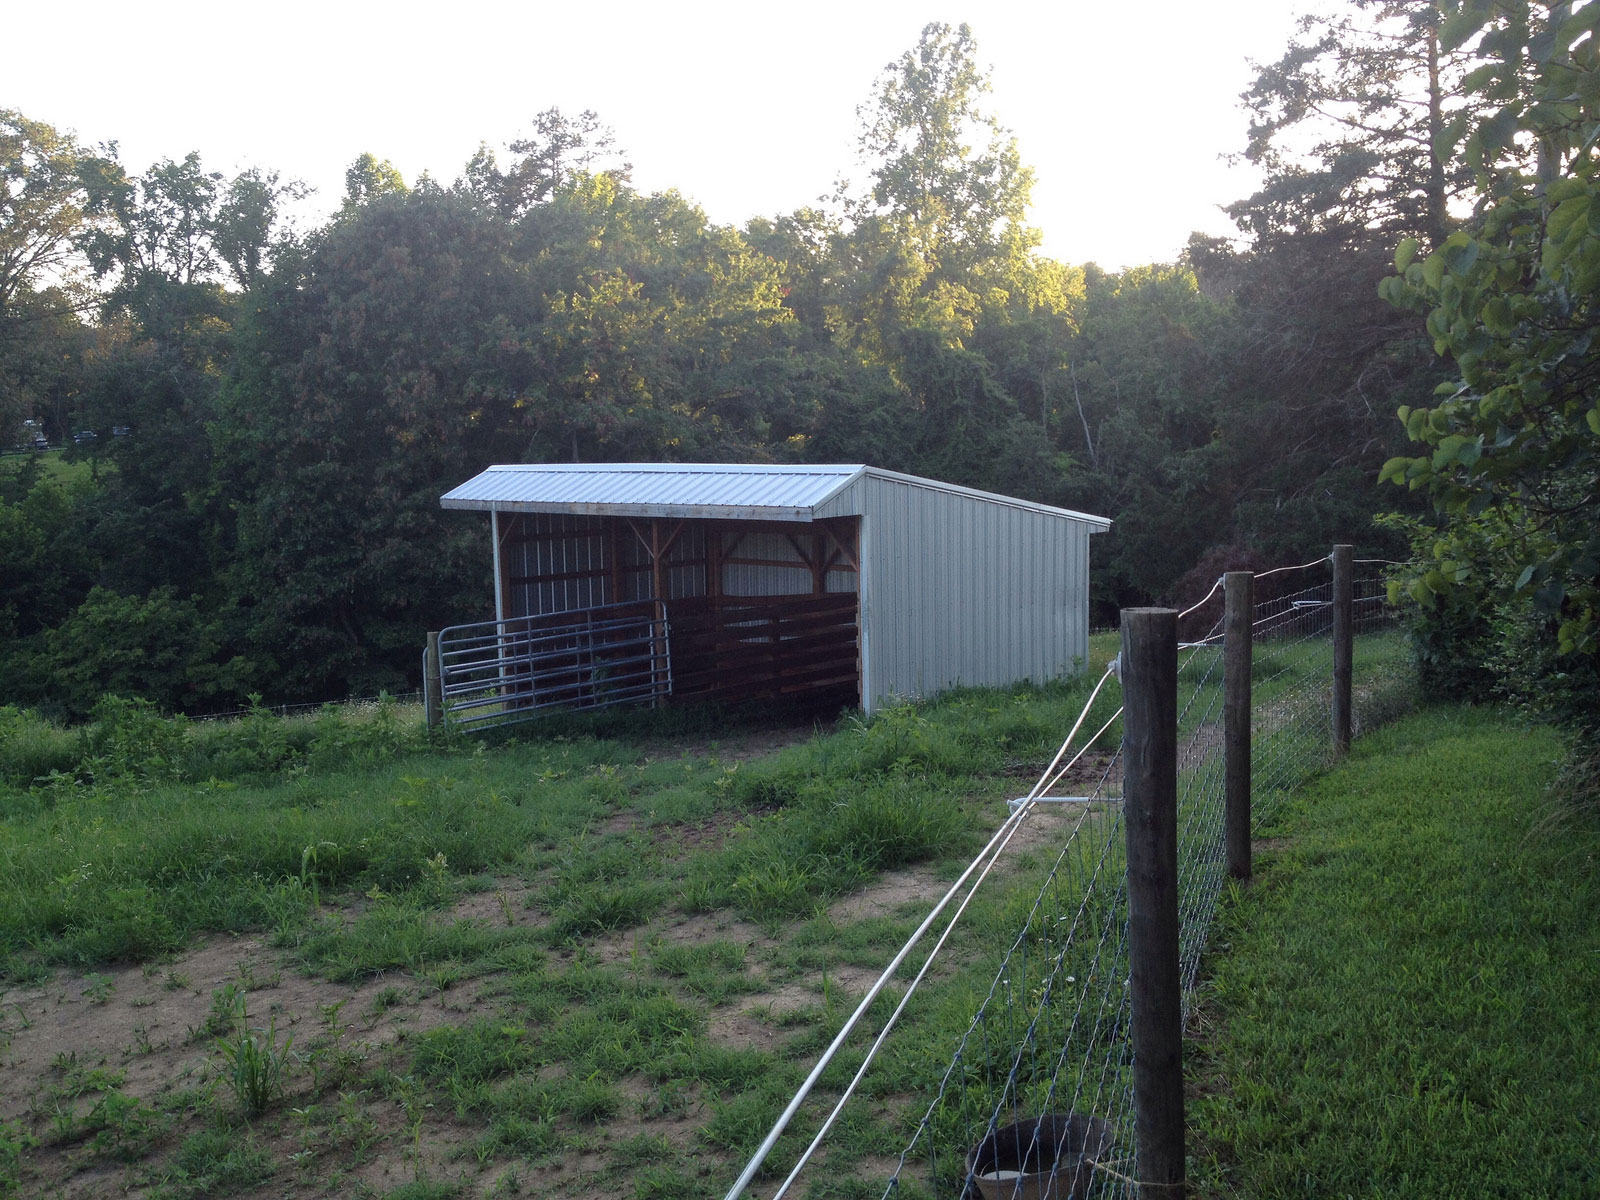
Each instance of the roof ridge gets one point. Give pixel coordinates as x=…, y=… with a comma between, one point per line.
x=670, y=468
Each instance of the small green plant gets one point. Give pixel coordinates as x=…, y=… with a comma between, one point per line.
x=215, y=1162
x=387, y=997
x=14, y=1139
x=255, y=1065
x=773, y=889
x=98, y=988
x=331, y=1060
x=308, y=868
x=227, y=1012
x=353, y=1125
x=123, y=1127
x=249, y=981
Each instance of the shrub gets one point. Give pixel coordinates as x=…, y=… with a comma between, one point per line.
x=129, y=739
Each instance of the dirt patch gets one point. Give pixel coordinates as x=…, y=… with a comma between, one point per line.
x=739, y=746
x=626, y=945
x=888, y=894
x=1206, y=741
x=683, y=838
x=502, y=906
x=711, y=832
x=757, y=1021
x=712, y=927
x=1046, y=828
x=151, y=1030
x=1096, y=770
x=751, y=1029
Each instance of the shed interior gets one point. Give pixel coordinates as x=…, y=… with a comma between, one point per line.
x=754, y=609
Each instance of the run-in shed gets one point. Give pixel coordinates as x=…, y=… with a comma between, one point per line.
x=849, y=581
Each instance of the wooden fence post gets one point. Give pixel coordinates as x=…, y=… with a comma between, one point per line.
x=1237, y=640
x=432, y=702
x=1149, y=672
x=1343, y=644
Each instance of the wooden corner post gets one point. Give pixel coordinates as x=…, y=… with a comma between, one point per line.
x=1149, y=671
x=1237, y=640
x=1343, y=644
x=432, y=701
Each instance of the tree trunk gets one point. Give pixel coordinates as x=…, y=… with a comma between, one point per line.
x=1438, y=214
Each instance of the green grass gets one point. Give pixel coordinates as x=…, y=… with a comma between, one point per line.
x=53, y=466
x=1405, y=998
x=214, y=1162
x=346, y=838
x=351, y=839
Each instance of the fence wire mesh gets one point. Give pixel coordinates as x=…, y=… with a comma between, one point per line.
x=1050, y=1036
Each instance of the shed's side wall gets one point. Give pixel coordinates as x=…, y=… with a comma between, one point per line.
x=964, y=591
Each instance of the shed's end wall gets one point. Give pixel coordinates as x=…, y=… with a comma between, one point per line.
x=962, y=591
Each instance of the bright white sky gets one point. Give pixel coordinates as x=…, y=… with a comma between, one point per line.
x=1123, y=111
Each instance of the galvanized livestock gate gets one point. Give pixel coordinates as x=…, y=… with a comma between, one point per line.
x=843, y=584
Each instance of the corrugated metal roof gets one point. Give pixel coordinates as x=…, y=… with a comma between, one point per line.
x=750, y=491
x=654, y=489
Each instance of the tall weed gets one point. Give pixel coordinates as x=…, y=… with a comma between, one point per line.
x=32, y=748
x=127, y=739
x=254, y=1065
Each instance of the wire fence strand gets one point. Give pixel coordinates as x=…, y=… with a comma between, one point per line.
x=1049, y=1035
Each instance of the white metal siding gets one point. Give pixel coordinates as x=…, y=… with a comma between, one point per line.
x=556, y=545
x=748, y=579
x=771, y=579
x=967, y=591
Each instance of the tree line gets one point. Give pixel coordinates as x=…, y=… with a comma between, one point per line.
x=290, y=402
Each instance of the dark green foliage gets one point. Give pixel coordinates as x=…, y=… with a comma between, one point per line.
x=292, y=407
x=1508, y=449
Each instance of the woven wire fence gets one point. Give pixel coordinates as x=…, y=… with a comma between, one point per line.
x=1051, y=1034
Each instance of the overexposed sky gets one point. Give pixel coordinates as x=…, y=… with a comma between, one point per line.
x=1123, y=111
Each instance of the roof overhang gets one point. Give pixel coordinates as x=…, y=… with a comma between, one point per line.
x=712, y=491
x=708, y=491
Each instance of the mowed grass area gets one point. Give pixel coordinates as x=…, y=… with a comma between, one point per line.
x=54, y=466
x=1404, y=1002
x=331, y=956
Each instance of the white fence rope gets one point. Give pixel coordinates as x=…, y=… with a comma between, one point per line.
x=982, y=864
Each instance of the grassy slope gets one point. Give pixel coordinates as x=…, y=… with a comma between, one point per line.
x=579, y=1022
x=1406, y=998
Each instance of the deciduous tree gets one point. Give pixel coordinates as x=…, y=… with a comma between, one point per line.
x=1512, y=443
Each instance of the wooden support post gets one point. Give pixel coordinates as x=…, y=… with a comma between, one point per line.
x=1149, y=672
x=1343, y=644
x=714, y=563
x=613, y=529
x=1239, y=587
x=658, y=580
x=432, y=701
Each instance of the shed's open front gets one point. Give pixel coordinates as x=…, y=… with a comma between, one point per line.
x=751, y=609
